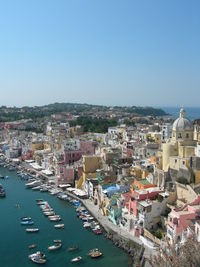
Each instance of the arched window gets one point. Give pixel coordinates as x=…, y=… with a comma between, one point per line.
x=187, y=135
x=179, y=135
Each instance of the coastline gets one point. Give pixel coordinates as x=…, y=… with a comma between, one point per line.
x=119, y=237
x=118, y=234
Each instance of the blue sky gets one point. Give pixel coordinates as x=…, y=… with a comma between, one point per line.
x=111, y=52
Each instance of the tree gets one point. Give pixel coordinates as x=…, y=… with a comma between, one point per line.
x=186, y=255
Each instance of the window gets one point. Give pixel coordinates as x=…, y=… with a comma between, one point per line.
x=187, y=135
x=179, y=135
x=131, y=210
x=183, y=162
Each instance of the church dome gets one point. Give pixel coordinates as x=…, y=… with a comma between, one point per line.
x=182, y=123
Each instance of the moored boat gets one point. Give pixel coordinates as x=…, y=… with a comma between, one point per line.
x=32, y=246
x=32, y=230
x=23, y=219
x=77, y=259
x=96, y=254
x=59, y=226
x=38, y=257
x=27, y=222
x=55, y=247
x=72, y=248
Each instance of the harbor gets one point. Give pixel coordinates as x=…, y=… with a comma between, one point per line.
x=20, y=202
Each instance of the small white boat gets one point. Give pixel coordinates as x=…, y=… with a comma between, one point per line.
x=55, y=219
x=36, y=188
x=59, y=226
x=38, y=258
x=86, y=225
x=33, y=184
x=32, y=246
x=49, y=213
x=77, y=259
x=55, y=247
x=32, y=230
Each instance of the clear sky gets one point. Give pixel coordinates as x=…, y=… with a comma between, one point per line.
x=112, y=52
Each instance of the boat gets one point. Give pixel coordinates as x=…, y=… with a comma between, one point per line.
x=92, y=250
x=77, y=259
x=55, y=246
x=1, y=176
x=2, y=193
x=26, y=219
x=87, y=225
x=57, y=241
x=38, y=257
x=54, y=218
x=33, y=184
x=49, y=213
x=96, y=254
x=59, y=226
x=44, y=189
x=39, y=200
x=27, y=222
x=32, y=246
x=73, y=248
x=36, y=188
x=32, y=230
x=97, y=232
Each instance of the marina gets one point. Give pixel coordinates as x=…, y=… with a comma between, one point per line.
x=21, y=206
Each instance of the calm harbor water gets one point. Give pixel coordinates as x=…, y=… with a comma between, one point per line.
x=14, y=241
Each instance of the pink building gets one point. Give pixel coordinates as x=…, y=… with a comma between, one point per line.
x=179, y=220
x=88, y=147
x=71, y=156
x=65, y=174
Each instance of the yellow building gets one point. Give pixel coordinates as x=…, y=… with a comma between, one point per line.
x=178, y=150
x=90, y=166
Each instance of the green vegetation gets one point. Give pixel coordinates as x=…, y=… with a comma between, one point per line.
x=14, y=113
x=97, y=125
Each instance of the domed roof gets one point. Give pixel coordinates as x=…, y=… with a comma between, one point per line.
x=182, y=123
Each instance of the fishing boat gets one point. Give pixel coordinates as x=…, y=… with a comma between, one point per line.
x=87, y=225
x=59, y=226
x=32, y=230
x=57, y=241
x=32, y=246
x=43, y=189
x=38, y=257
x=77, y=259
x=36, y=188
x=54, y=218
x=2, y=191
x=49, y=213
x=26, y=219
x=27, y=222
x=92, y=250
x=96, y=254
x=72, y=248
x=97, y=232
x=55, y=247
x=38, y=201
x=1, y=176
x=32, y=184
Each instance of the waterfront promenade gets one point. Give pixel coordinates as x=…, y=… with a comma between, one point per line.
x=108, y=225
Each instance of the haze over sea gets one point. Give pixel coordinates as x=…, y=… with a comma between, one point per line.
x=192, y=113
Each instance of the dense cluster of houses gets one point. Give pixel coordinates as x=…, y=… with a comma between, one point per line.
x=144, y=178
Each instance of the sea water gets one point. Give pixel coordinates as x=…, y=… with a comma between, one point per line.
x=14, y=240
